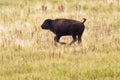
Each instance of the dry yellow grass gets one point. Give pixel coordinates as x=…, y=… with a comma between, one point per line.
x=28, y=53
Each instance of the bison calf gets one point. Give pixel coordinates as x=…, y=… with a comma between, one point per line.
x=63, y=27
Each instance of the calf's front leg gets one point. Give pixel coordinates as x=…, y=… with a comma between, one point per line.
x=56, y=39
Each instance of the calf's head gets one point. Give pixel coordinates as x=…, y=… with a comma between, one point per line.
x=47, y=24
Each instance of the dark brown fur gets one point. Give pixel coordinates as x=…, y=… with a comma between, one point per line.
x=63, y=27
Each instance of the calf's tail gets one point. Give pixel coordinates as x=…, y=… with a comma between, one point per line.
x=84, y=19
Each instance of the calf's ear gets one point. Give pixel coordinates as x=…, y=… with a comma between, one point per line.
x=49, y=21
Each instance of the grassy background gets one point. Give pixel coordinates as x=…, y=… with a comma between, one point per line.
x=28, y=53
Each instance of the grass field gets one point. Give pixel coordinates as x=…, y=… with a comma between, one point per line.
x=28, y=53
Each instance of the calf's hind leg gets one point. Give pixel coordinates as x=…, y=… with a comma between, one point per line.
x=74, y=39
x=79, y=39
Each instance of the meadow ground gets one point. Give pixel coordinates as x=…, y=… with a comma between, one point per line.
x=28, y=53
